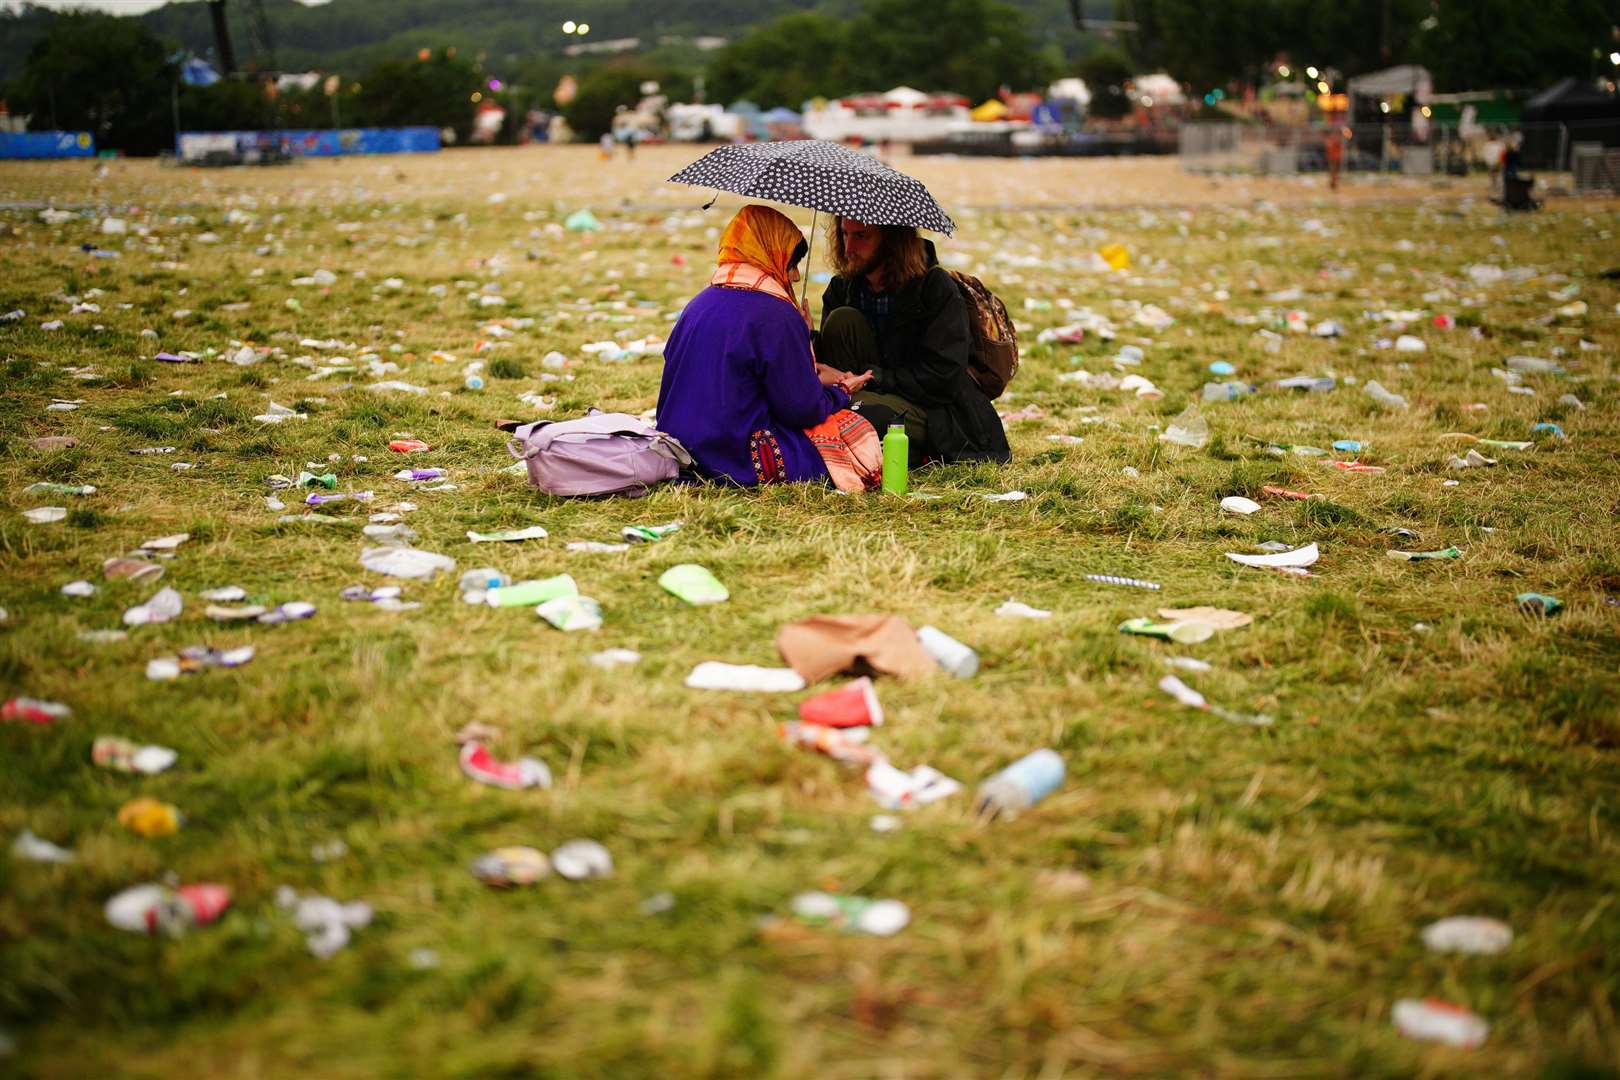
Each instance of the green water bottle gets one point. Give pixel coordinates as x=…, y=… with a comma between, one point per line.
x=896, y=459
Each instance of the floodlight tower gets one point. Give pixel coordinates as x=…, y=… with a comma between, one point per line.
x=264, y=49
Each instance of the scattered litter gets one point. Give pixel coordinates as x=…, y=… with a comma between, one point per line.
x=509, y=866
x=824, y=645
x=31, y=848
x=1299, y=557
x=694, y=584
x=478, y=763
x=1218, y=618
x=1186, y=695
x=159, y=909
x=220, y=613
x=1020, y=785
x=148, y=817
x=1187, y=663
x=1005, y=496
x=855, y=914
x=951, y=655
x=163, y=607
x=717, y=675
x=1434, y=1020
x=1111, y=579
x=595, y=547
x=578, y=860
x=848, y=745
x=1183, y=632
x=409, y=446
x=570, y=613
x=126, y=756
x=1539, y=603
x=1375, y=390
x=292, y=611
x=34, y=710
x=531, y=593
x=1015, y=609
x=1471, y=934
x=196, y=658
x=533, y=532
x=896, y=789
x=1237, y=504
x=78, y=589
x=1187, y=429
x=852, y=705
x=1419, y=556
x=405, y=562
x=608, y=659
x=326, y=923
x=45, y=515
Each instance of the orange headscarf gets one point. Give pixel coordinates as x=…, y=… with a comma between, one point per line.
x=764, y=239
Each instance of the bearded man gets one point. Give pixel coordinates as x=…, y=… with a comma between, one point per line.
x=893, y=311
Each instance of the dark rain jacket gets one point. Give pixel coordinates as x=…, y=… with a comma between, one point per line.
x=925, y=352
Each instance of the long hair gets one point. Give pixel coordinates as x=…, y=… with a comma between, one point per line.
x=901, y=256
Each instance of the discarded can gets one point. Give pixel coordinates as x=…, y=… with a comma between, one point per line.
x=855, y=914
x=649, y=533
x=148, y=817
x=1227, y=391
x=508, y=866
x=1434, y=1020
x=1020, y=785
x=325, y=480
x=420, y=474
x=478, y=763
x=34, y=710
x=158, y=909
x=950, y=654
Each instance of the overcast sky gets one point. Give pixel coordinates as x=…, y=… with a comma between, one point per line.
x=117, y=7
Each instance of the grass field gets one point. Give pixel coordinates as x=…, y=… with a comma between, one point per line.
x=1199, y=898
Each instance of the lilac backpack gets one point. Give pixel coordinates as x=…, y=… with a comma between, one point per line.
x=598, y=454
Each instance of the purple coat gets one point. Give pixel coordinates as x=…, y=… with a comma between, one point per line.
x=739, y=388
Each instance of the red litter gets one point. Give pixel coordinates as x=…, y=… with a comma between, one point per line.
x=409, y=446
x=1284, y=493
x=34, y=710
x=854, y=705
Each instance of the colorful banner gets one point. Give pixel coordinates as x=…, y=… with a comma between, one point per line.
x=46, y=144
x=323, y=142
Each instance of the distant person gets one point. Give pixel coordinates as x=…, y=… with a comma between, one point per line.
x=630, y=138
x=740, y=388
x=604, y=146
x=1334, y=150
x=891, y=309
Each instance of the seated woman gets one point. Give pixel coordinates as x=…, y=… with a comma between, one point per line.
x=741, y=390
x=893, y=311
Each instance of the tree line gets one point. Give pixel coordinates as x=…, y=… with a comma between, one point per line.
x=117, y=77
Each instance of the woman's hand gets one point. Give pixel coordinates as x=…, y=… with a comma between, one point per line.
x=852, y=383
x=830, y=376
x=804, y=309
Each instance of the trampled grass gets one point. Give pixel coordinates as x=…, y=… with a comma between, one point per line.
x=1199, y=898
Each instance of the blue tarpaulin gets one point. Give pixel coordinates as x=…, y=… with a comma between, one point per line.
x=46, y=144
x=322, y=142
x=198, y=72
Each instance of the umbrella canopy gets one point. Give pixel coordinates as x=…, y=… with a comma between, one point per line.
x=819, y=175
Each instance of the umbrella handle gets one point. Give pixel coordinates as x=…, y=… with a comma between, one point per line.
x=804, y=290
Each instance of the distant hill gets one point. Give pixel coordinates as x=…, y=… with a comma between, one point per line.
x=351, y=35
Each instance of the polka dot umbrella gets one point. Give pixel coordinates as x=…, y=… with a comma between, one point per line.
x=819, y=175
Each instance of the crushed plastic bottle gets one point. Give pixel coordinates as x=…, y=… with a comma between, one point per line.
x=1375, y=390
x=1188, y=429
x=1227, y=391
